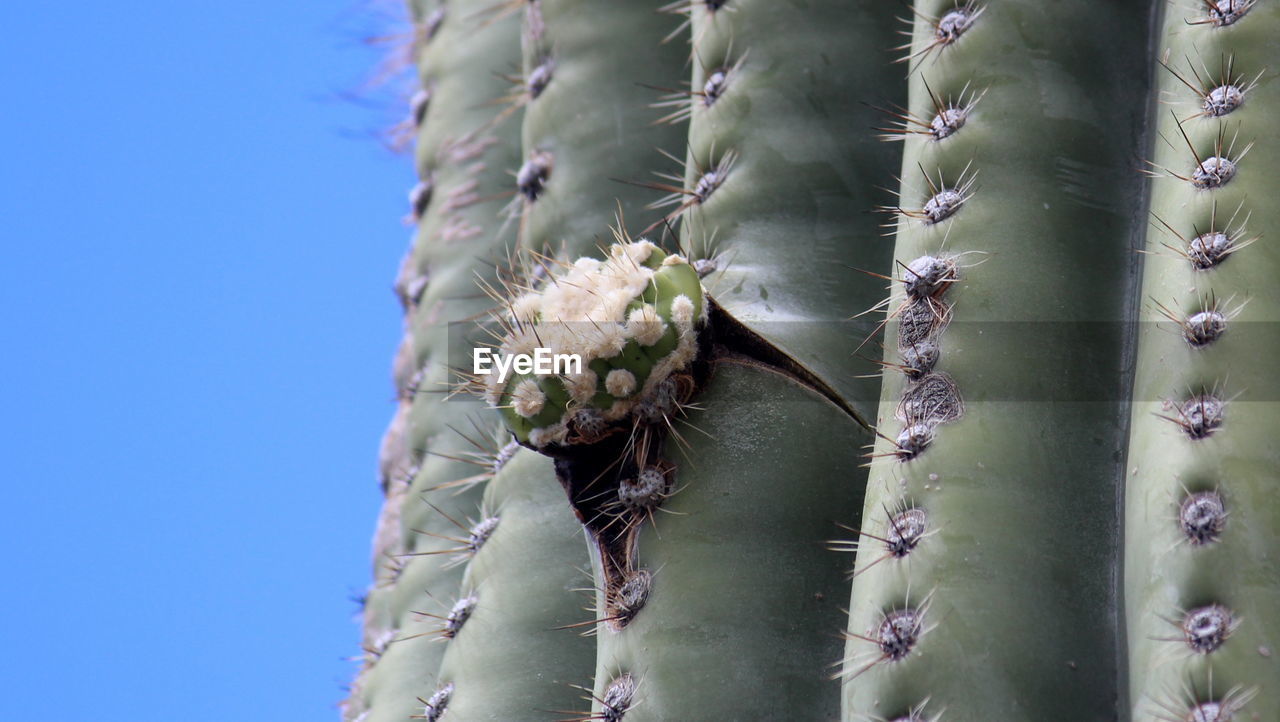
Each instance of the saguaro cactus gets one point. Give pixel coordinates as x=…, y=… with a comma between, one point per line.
x=971, y=330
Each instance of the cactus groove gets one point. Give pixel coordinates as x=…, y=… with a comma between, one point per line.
x=927, y=365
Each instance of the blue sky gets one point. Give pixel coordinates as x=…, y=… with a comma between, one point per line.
x=200, y=231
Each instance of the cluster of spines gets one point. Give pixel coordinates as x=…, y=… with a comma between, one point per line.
x=1201, y=517
x=930, y=397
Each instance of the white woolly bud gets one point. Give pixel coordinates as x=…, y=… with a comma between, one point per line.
x=608, y=340
x=525, y=309
x=682, y=313
x=645, y=325
x=586, y=264
x=582, y=387
x=620, y=383
x=638, y=251
x=674, y=260
x=524, y=341
x=492, y=390
x=527, y=399
x=618, y=299
x=553, y=434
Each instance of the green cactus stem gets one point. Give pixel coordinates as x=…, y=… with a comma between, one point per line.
x=740, y=596
x=589, y=135
x=517, y=655
x=1202, y=526
x=462, y=156
x=990, y=538
x=781, y=172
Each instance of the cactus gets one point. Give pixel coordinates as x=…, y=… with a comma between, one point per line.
x=962, y=331
x=1201, y=592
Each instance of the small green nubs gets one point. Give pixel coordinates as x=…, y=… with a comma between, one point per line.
x=599, y=340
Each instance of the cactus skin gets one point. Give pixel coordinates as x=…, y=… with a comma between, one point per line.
x=1013, y=604
x=466, y=157
x=524, y=580
x=1164, y=572
x=738, y=621
x=1020, y=493
x=788, y=226
x=593, y=119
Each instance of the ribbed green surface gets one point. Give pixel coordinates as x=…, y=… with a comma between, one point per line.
x=742, y=619
x=594, y=119
x=1017, y=581
x=1166, y=574
x=789, y=225
x=510, y=660
x=467, y=159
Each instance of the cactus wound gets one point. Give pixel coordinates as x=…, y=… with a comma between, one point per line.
x=921, y=320
x=932, y=400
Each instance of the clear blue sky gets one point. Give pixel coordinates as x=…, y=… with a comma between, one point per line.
x=200, y=232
